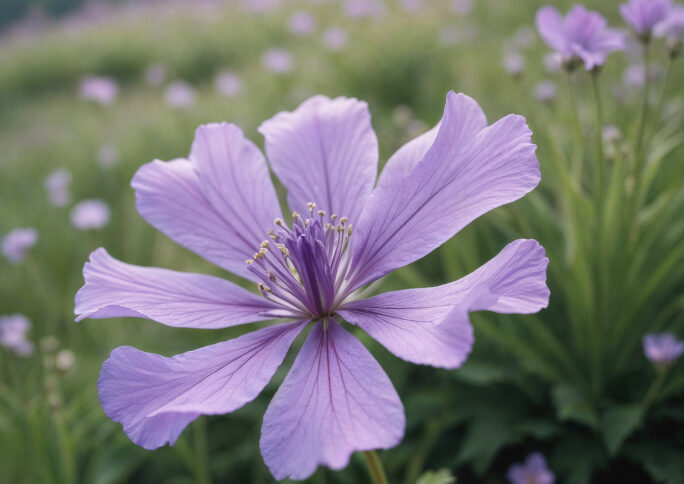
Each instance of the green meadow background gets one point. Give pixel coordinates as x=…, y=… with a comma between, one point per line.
x=571, y=382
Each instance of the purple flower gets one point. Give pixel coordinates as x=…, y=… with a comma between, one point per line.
x=90, y=215
x=358, y=9
x=13, y=329
x=57, y=186
x=335, y=38
x=16, y=243
x=513, y=62
x=180, y=95
x=221, y=204
x=643, y=15
x=102, y=90
x=582, y=36
x=228, y=84
x=462, y=7
x=301, y=23
x=672, y=29
x=545, y=90
x=412, y=5
x=662, y=349
x=532, y=471
x=277, y=60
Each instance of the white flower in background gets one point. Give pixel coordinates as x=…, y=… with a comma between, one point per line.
x=102, y=90
x=180, y=95
x=90, y=215
x=13, y=329
x=64, y=360
x=513, y=62
x=57, y=187
x=228, y=84
x=16, y=244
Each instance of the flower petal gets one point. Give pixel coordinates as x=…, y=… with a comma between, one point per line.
x=221, y=205
x=430, y=326
x=325, y=152
x=550, y=26
x=408, y=155
x=469, y=170
x=154, y=397
x=115, y=289
x=336, y=400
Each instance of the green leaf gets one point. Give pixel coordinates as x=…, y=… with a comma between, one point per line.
x=663, y=462
x=442, y=476
x=572, y=405
x=479, y=373
x=484, y=439
x=618, y=423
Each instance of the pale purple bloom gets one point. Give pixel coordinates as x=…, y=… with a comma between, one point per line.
x=16, y=244
x=155, y=74
x=302, y=23
x=533, y=471
x=102, y=90
x=524, y=37
x=582, y=36
x=180, y=95
x=57, y=186
x=221, y=204
x=662, y=348
x=90, y=215
x=462, y=7
x=513, y=62
x=359, y=9
x=228, y=84
x=672, y=29
x=13, y=329
x=412, y=5
x=611, y=133
x=644, y=15
x=545, y=90
x=335, y=38
x=277, y=60
x=107, y=156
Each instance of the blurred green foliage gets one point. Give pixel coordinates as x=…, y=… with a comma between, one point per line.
x=570, y=381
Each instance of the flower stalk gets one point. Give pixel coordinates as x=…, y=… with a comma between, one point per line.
x=375, y=468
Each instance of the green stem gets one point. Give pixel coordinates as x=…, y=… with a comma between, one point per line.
x=601, y=178
x=653, y=390
x=661, y=102
x=375, y=469
x=577, y=155
x=201, y=453
x=644, y=113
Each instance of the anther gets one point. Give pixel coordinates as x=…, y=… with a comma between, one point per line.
x=311, y=206
x=295, y=215
x=265, y=244
x=249, y=261
x=344, y=220
x=321, y=213
x=272, y=277
x=333, y=217
x=349, y=230
x=278, y=221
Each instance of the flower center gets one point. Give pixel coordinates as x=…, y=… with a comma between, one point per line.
x=305, y=268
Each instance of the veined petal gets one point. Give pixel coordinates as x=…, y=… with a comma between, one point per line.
x=325, y=152
x=115, y=289
x=336, y=400
x=408, y=155
x=154, y=397
x=430, y=326
x=469, y=170
x=235, y=180
x=220, y=205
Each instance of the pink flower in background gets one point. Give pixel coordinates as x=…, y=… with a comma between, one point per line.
x=228, y=84
x=16, y=244
x=302, y=23
x=155, y=74
x=13, y=329
x=662, y=348
x=644, y=15
x=180, y=95
x=513, y=62
x=359, y=9
x=102, y=90
x=277, y=60
x=335, y=38
x=532, y=471
x=221, y=204
x=545, y=90
x=57, y=186
x=582, y=36
x=90, y=214
x=107, y=156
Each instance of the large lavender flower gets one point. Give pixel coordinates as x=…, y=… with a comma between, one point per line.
x=643, y=15
x=582, y=36
x=220, y=203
